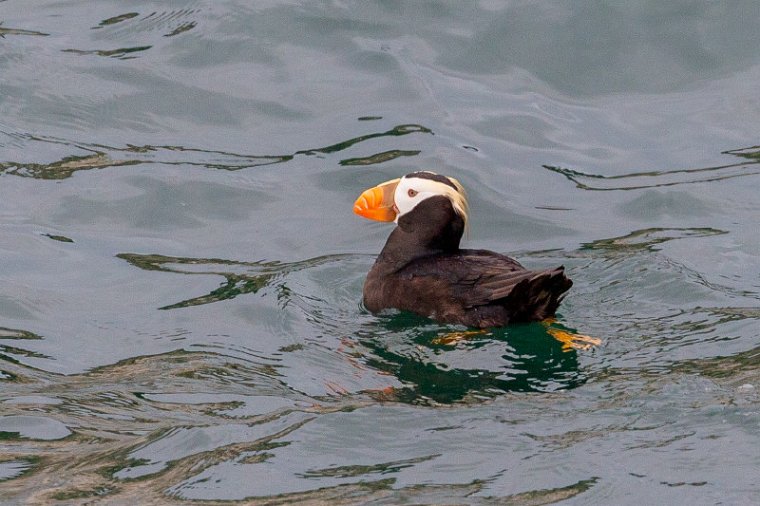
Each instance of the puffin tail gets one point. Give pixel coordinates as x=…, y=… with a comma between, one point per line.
x=538, y=297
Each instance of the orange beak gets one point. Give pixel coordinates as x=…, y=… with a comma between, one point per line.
x=377, y=203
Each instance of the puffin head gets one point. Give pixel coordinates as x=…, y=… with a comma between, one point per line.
x=393, y=199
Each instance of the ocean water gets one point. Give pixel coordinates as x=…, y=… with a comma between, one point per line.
x=180, y=290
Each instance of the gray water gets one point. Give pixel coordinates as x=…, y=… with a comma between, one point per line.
x=180, y=316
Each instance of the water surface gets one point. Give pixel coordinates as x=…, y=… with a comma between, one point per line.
x=180, y=316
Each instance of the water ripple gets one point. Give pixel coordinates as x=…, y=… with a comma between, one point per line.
x=116, y=19
x=649, y=238
x=167, y=431
x=466, y=366
x=18, y=31
x=224, y=355
x=127, y=25
x=189, y=424
x=256, y=275
x=653, y=310
x=665, y=178
x=122, y=53
x=100, y=156
x=168, y=22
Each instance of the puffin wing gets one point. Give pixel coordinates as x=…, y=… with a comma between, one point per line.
x=485, y=277
x=480, y=278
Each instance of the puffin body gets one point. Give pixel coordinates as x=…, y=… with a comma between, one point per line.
x=422, y=269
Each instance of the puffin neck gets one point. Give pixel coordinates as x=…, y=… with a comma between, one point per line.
x=432, y=227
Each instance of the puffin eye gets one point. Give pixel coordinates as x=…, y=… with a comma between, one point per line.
x=412, y=193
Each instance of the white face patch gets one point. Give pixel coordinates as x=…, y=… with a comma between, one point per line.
x=413, y=190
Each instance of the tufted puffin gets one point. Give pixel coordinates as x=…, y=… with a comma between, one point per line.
x=422, y=269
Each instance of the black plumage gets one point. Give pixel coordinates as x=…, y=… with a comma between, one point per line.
x=422, y=269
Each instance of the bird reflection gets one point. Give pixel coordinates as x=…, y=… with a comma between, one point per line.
x=439, y=366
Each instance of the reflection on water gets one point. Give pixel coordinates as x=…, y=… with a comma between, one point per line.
x=17, y=31
x=170, y=164
x=664, y=178
x=738, y=371
x=753, y=153
x=212, y=425
x=256, y=276
x=116, y=19
x=205, y=425
x=131, y=443
x=648, y=238
x=385, y=156
x=168, y=24
x=439, y=364
x=122, y=53
x=100, y=156
x=17, y=334
x=433, y=367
